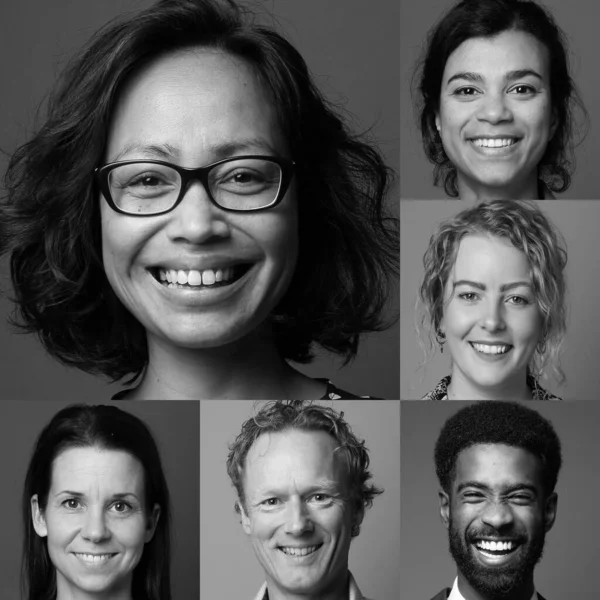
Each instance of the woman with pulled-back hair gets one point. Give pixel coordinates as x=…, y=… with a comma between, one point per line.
x=193, y=215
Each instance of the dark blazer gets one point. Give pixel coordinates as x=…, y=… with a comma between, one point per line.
x=443, y=595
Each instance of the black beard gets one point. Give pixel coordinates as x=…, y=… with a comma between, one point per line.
x=496, y=583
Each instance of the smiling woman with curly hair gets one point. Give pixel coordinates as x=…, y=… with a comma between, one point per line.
x=193, y=214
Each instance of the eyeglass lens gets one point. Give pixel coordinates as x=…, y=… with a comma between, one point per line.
x=146, y=188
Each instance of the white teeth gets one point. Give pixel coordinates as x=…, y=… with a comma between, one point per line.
x=194, y=278
x=299, y=551
x=495, y=546
x=491, y=349
x=494, y=143
x=95, y=558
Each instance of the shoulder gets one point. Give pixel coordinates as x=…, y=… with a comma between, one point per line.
x=335, y=393
x=443, y=595
x=440, y=391
x=122, y=395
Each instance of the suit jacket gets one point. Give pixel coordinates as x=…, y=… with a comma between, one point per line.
x=443, y=595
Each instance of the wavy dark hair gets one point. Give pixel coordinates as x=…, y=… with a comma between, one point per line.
x=499, y=422
x=105, y=427
x=526, y=227
x=50, y=218
x=488, y=18
x=284, y=415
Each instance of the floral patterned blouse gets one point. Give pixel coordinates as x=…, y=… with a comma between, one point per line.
x=440, y=392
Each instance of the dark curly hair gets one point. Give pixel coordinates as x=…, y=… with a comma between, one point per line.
x=488, y=18
x=105, y=427
x=498, y=422
x=50, y=219
x=280, y=415
x=526, y=227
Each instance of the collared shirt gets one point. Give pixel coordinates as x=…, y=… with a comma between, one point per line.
x=440, y=392
x=353, y=591
x=456, y=595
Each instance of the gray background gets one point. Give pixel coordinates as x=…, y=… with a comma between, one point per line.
x=579, y=222
x=353, y=51
x=373, y=554
x=573, y=17
x=568, y=568
x=175, y=429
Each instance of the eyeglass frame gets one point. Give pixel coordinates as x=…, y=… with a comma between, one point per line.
x=188, y=175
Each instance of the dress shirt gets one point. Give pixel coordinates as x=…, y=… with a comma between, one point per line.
x=456, y=595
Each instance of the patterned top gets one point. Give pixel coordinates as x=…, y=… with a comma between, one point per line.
x=440, y=392
x=331, y=393
x=353, y=591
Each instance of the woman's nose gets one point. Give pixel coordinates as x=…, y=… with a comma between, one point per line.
x=94, y=527
x=196, y=219
x=494, y=108
x=492, y=317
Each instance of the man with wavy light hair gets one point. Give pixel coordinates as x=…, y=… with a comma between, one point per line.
x=301, y=479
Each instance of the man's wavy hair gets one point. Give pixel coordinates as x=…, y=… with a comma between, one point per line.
x=107, y=428
x=524, y=225
x=488, y=18
x=50, y=219
x=280, y=416
x=498, y=422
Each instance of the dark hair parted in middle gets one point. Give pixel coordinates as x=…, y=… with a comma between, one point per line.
x=348, y=253
x=488, y=18
x=281, y=416
x=107, y=428
x=498, y=422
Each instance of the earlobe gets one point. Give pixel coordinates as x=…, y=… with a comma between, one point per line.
x=444, y=508
x=37, y=517
x=152, y=523
x=437, y=122
x=550, y=509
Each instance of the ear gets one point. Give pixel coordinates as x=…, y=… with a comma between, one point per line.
x=246, y=526
x=444, y=507
x=438, y=122
x=37, y=517
x=152, y=523
x=550, y=507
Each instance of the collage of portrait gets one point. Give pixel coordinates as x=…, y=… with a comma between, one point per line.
x=249, y=251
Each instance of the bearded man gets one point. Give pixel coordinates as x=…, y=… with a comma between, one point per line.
x=497, y=464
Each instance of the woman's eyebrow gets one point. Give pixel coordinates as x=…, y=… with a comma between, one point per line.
x=118, y=496
x=510, y=76
x=481, y=286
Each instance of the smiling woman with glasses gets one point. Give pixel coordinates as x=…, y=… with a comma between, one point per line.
x=194, y=215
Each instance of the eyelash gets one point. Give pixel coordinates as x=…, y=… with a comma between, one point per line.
x=129, y=507
x=326, y=498
x=459, y=91
x=524, y=301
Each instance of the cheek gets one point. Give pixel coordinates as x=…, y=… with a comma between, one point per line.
x=458, y=320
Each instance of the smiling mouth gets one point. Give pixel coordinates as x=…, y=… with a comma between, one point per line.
x=299, y=551
x=195, y=279
x=493, y=549
x=490, y=350
x=494, y=142
x=95, y=559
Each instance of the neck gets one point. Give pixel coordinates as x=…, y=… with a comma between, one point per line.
x=338, y=590
x=473, y=191
x=249, y=369
x=462, y=388
x=523, y=592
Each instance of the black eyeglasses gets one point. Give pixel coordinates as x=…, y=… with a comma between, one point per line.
x=154, y=187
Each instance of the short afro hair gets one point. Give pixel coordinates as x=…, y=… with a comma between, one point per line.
x=498, y=422
x=281, y=416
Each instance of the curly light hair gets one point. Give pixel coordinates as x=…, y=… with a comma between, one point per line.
x=286, y=415
x=527, y=228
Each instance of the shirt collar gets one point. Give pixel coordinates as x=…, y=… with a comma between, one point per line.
x=456, y=595
x=354, y=592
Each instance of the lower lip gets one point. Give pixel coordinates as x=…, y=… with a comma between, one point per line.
x=203, y=295
x=495, y=151
x=300, y=559
x=95, y=564
x=491, y=357
x=495, y=560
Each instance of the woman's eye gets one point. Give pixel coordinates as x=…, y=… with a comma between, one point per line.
x=465, y=91
x=519, y=300
x=71, y=503
x=146, y=181
x=468, y=296
x=122, y=507
x=523, y=89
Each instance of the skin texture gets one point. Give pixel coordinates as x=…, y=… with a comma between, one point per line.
x=504, y=500
x=296, y=495
x=496, y=106
x=97, y=522
x=471, y=314
x=206, y=106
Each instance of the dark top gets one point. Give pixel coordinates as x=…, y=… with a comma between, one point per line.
x=331, y=393
x=443, y=595
x=440, y=392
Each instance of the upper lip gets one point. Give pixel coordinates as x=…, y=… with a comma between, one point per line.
x=299, y=547
x=490, y=343
x=494, y=137
x=95, y=553
x=215, y=262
